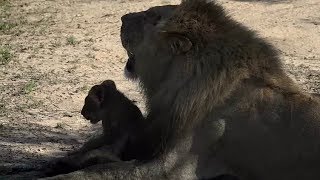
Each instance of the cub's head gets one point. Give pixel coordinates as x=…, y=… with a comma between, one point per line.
x=97, y=100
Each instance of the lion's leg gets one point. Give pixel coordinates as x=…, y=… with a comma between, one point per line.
x=114, y=171
x=81, y=160
x=167, y=167
x=172, y=168
x=133, y=171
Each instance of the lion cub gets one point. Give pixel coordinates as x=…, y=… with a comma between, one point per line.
x=121, y=121
x=121, y=118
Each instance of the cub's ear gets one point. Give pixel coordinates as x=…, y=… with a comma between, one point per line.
x=109, y=84
x=177, y=42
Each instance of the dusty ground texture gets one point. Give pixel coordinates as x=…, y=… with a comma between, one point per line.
x=53, y=51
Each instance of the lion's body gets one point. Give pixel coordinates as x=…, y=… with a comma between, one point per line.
x=217, y=94
x=271, y=134
x=272, y=128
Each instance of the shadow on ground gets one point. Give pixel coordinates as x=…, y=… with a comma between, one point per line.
x=37, y=140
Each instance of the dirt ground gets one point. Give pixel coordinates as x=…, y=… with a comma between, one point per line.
x=53, y=51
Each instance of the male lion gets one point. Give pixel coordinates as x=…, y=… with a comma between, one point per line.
x=215, y=92
x=206, y=67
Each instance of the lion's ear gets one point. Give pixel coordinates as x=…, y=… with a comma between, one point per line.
x=178, y=43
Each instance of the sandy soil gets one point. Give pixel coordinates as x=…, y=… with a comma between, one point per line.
x=53, y=51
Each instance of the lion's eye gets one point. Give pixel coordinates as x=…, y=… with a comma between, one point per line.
x=152, y=18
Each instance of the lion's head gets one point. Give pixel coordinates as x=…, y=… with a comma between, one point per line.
x=135, y=30
x=190, y=40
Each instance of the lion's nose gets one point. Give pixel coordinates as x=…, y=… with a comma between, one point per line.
x=126, y=18
x=131, y=17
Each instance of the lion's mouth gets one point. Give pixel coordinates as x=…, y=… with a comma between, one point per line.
x=94, y=121
x=130, y=64
x=130, y=67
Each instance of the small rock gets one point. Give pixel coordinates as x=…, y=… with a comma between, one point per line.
x=66, y=114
